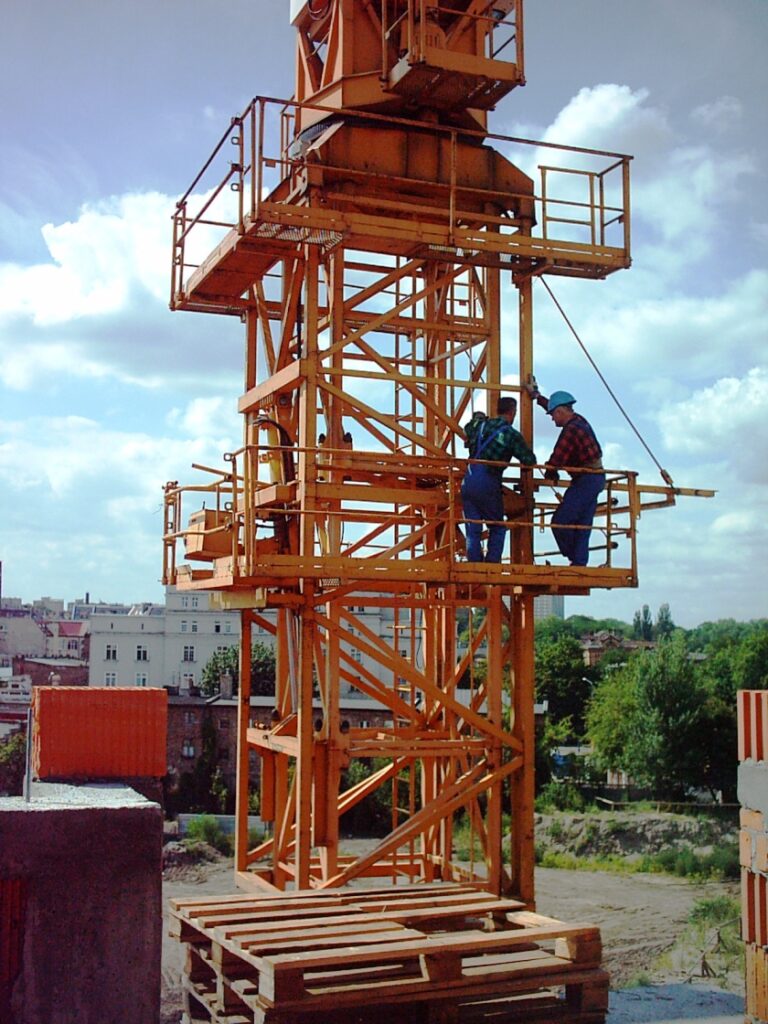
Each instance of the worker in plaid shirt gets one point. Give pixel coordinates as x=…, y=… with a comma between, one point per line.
x=492, y=441
x=578, y=451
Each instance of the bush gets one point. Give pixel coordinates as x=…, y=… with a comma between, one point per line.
x=206, y=829
x=559, y=796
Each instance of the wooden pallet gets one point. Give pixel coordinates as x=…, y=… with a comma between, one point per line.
x=438, y=954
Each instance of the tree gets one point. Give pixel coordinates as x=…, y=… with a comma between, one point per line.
x=262, y=670
x=611, y=717
x=563, y=680
x=13, y=763
x=750, y=668
x=642, y=624
x=647, y=719
x=664, y=625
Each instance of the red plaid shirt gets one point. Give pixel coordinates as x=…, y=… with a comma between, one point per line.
x=577, y=444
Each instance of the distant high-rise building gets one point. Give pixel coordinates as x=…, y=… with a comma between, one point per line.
x=547, y=605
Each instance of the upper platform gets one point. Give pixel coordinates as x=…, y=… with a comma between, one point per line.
x=396, y=186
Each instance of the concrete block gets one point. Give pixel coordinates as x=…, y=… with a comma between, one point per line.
x=89, y=929
x=752, y=819
x=745, y=848
x=753, y=786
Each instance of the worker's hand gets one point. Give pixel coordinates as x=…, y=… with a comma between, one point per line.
x=551, y=474
x=531, y=386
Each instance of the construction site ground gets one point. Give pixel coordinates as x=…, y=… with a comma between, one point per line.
x=642, y=917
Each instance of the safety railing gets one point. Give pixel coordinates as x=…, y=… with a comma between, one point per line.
x=370, y=508
x=260, y=180
x=409, y=29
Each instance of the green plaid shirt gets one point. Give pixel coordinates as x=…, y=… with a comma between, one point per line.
x=506, y=445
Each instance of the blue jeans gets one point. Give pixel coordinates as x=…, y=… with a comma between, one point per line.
x=481, y=500
x=577, y=509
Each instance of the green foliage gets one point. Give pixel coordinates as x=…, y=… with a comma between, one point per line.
x=713, y=911
x=751, y=664
x=559, y=796
x=13, y=761
x=549, y=737
x=262, y=670
x=563, y=680
x=372, y=815
x=720, y=865
x=206, y=829
x=611, y=715
x=642, y=624
x=665, y=627
x=648, y=718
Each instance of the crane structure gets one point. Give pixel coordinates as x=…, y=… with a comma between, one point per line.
x=361, y=232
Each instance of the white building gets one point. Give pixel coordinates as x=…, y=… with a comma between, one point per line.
x=170, y=645
x=155, y=645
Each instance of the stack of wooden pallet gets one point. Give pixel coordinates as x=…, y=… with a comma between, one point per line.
x=442, y=954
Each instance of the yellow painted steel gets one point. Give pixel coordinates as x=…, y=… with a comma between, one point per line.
x=365, y=253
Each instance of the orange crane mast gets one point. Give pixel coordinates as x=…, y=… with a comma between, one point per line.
x=361, y=231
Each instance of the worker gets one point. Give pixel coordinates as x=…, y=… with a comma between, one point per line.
x=494, y=441
x=578, y=451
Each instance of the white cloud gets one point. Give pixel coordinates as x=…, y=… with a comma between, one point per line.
x=60, y=456
x=611, y=117
x=214, y=417
x=729, y=419
x=720, y=115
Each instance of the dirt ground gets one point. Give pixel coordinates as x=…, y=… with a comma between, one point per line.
x=641, y=917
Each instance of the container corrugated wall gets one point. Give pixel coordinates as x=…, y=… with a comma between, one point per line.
x=97, y=732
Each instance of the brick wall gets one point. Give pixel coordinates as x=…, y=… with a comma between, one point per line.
x=752, y=709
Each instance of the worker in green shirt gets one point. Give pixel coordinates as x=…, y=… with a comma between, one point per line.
x=494, y=441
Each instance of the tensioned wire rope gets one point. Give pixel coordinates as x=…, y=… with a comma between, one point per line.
x=664, y=474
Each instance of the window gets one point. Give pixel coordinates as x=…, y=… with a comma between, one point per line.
x=72, y=645
x=227, y=627
x=357, y=656
x=110, y=652
x=141, y=678
x=142, y=654
x=217, y=627
x=185, y=602
x=184, y=625
x=187, y=748
x=193, y=602
x=189, y=718
x=194, y=625
x=222, y=648
x=189, y=653
x=110, y=678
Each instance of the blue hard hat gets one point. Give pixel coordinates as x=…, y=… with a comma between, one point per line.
x=558, y=398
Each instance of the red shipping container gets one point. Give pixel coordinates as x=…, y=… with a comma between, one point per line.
x=99, y=732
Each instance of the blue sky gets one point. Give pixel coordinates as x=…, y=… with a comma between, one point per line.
x=108, y=111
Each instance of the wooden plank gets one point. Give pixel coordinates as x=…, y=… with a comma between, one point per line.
x=242, y=927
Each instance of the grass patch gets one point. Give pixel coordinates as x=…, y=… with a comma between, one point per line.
x=720, y=865
x=711, y=939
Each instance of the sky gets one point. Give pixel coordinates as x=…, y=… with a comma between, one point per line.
x=108, y=111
